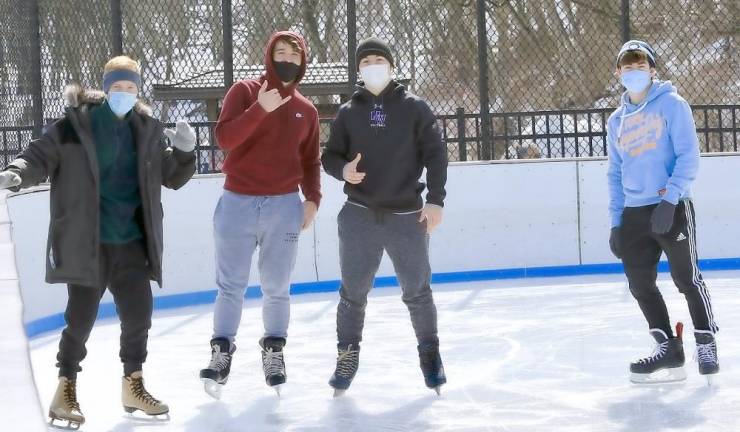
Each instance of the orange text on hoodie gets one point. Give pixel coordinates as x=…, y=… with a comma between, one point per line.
x=270, y=153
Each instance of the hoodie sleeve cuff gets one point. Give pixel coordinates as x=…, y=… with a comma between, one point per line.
x=672, y=196
x=616, y=220
x=182, y=157
x=255, y=112
x=435, y=201
x=315, y=198
x=333, y=166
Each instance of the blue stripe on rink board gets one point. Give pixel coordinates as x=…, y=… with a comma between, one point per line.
x=108, y=310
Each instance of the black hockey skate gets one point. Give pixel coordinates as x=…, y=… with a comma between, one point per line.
x=273, y=363
x=217, y=373
x=706, y=354
x=431, y=366
x=665, y=364
x=348, y=359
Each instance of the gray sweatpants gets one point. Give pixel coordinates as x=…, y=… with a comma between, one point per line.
x=363, y=236
x=241, y=223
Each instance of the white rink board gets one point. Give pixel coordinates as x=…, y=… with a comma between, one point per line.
x=497, y=216
x=20, y=410
x=483, y=226
x=716, y=196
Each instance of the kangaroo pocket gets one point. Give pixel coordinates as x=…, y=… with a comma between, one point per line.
x=644, y=179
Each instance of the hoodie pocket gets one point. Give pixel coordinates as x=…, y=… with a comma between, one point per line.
x=645, y=178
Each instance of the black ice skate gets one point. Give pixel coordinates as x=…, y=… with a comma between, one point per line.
x=273, y=363
x=348, y=359
x=431, y=366
x=217, y=373
x=706, y=354
x=665, y=364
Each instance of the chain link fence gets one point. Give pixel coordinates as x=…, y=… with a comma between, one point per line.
x=16, y=86
x=507, y=79
x=74, y=37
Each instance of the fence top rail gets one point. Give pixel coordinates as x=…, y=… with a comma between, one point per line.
x=574, y=111
x=701, y=107
x=193, y=124
x=716, y=106
x=552, y=112
x=15, y=128
x=467, y=115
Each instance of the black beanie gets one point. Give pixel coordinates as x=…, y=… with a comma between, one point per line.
x=373, y=45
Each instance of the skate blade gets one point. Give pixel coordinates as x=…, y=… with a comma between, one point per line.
x=213, y=388
x=660, y=377
x=278, y=388
x=339, y=393
x=71, y=424
x=147, y=418
x=438, y=389
x=711, y=379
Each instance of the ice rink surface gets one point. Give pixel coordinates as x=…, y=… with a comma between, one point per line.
x=520, y=355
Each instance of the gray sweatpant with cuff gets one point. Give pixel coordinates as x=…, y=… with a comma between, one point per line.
x=241, y=224
x=363, y=236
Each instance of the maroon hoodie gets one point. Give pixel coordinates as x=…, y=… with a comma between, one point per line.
x=270, y=153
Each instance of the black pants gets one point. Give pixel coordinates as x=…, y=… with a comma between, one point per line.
x=363, y=236
x=123, y=269
x=641, y=251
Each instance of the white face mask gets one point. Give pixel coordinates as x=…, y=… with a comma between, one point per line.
x=376, y=77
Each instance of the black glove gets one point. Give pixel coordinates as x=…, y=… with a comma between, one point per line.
x=615, y=243
x=662, y=219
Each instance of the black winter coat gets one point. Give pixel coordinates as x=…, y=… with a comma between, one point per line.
x=66, y=155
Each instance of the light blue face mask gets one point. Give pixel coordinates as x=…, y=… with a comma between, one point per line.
x=636, y=81
x=121, y=102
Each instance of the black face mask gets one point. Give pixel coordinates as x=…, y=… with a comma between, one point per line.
x=287, y=71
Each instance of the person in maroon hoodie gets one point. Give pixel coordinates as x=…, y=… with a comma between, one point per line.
x=270, y=134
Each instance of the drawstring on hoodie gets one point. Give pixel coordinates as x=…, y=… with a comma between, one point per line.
x=625, y=115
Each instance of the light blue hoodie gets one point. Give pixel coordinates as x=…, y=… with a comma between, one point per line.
x=653, y=150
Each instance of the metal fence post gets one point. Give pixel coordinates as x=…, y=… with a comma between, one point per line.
x=36, y=80
x=483, y=84
x=625, y=20
x=228, y=37
x=116, y=27
x=351, y=45
x=462, y=144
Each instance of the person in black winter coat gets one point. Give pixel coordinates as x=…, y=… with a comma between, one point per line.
x=107, y=160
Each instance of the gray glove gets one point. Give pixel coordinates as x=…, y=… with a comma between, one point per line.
x=9, y=179
x=183, y=137
x=662, y=219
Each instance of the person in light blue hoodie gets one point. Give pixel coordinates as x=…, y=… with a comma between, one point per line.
x=653, y=159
